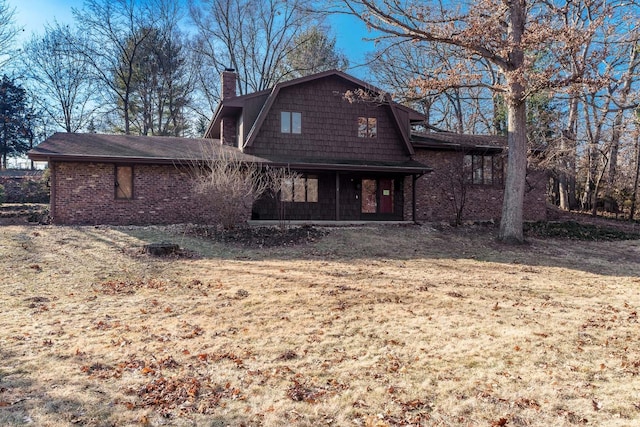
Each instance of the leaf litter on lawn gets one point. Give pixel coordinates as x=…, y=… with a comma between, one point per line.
x=365, y=326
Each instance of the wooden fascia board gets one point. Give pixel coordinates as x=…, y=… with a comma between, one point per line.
x=453, y=146
x=410, y=170
x=214, y=120
x=108, y=159
x=251, y=136
x=404, y=131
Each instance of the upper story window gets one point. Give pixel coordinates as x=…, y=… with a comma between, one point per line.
x=300, y=189
x=367, y=127
x=290, y=122
x=124, y=182
x=483, y=169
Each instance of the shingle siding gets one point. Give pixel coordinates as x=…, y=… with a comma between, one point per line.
x=329, y=126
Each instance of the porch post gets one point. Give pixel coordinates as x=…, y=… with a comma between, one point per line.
x=413, y=190
x=337, y=196
x=52, y=190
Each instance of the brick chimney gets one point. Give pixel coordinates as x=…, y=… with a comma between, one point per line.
x=228, y=124
x=229, y=77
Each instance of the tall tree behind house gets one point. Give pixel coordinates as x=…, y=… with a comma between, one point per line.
x=116, y=31
x=311, y=52
x=161, y=86
x=253, y=37
x=8, y=32
x=56, y=69
x=13, y=122
x=508, y=35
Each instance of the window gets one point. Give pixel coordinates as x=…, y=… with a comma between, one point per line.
x=483, y=169
x=290, y=122
x=124, y=182
x=367, y=127
x=301, y=189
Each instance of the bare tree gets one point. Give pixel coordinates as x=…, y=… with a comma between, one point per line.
x=116, y=31
x=253, y=37
x=8, y=32
x=508, y=34
x=277, y=180
x=55, y=67
x=460, y=109
x=228, y=186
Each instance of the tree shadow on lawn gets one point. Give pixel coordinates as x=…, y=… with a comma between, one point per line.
x=24, y=399
x=409, y=242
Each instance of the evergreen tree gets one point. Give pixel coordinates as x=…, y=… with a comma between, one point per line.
x=311, y=52
x=14, y=134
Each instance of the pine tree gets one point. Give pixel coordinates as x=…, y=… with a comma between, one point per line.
x=14, y=138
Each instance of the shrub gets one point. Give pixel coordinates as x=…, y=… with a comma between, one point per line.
x=2, y=195
x=36, y=191
x=229, y=188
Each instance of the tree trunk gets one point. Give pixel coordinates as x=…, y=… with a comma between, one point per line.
x=637, y=175
x=513, y=204
x=512, y=208
x=567, y=178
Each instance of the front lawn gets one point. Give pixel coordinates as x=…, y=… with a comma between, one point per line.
x=362, y=326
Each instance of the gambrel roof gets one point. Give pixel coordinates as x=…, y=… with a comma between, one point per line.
x=234, y=105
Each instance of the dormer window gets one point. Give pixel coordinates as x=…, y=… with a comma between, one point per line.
x=367, y=127
x=290, y=122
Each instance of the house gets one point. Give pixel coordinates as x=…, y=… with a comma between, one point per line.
x=359, y=157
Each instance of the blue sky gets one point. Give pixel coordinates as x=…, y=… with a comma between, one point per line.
x=33, y=15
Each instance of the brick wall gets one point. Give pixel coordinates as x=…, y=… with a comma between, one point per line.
x=436, y=192
x=84, y=193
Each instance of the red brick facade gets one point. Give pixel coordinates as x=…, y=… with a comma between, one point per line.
x=84, y=193
x=438, y=194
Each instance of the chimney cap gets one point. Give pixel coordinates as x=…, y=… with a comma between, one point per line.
x=229, y=69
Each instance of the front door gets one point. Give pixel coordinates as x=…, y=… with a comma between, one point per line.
x=385, y=188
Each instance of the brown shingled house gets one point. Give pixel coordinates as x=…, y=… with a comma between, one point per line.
x=359, y=157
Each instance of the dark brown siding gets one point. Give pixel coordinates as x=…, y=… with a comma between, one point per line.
x=329, y=126
x=162, y=194
x=268, y=208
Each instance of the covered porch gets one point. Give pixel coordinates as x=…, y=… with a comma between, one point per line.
x=341, y=193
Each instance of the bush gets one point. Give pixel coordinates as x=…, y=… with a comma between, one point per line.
x=2, y=196
x=229, y=188
x=36, y=191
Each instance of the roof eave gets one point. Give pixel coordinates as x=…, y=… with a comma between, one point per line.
x=351, y=167
x=41, y=157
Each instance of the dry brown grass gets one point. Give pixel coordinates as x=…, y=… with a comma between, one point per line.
x=368, y=326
